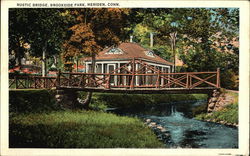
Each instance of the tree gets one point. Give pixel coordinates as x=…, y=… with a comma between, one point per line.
x=43, y=29
x=204, y=37
x=94, y=29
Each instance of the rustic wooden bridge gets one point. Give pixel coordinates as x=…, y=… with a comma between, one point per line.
x=127, y=81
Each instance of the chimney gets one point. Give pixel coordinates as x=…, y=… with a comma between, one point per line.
x=151, y=40
x=131, y=38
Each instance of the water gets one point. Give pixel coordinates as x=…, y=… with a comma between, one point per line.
x=190, y=133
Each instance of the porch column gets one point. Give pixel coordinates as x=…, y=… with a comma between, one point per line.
x=102, y=70
x=146, y=77
x=115, y=75
x=96, y=66
x=162, y=80
x=87, y=68
x=136, y=77
x=154, y=77
x=119, y=65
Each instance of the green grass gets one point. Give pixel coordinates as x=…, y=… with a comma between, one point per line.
x=141, y=101
x=79, y=129
x=228, y=114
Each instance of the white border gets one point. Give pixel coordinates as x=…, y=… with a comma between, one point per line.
x=243, y=96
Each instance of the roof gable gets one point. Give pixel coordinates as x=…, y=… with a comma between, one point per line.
x=129, y=50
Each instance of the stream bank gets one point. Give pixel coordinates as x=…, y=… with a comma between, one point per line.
x=224, y=111
x=177, y=128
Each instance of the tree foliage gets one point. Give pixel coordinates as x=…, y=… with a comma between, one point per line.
x=43, y=29
x=205, y=38
x=94, y=29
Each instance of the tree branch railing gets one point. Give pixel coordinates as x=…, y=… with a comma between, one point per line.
x=187, y=80
x=31, y=82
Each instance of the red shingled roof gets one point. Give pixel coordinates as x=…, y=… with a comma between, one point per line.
x=130, y=51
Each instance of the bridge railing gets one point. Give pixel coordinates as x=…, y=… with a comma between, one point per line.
x=27, y=81
x=187, y=80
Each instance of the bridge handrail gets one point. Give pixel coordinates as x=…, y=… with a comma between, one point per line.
x=71, y=73
x=183, y=80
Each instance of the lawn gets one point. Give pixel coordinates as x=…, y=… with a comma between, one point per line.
x=79, y=129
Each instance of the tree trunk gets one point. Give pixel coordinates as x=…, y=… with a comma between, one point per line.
x=87, y=100
x=19, y=55
x=173, y=46
x=44, y=65
x=93, y=63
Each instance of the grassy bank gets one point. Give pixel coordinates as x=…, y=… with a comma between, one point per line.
x=227, y=115
x=140, y=101
x=35, y=121
x=79, y=129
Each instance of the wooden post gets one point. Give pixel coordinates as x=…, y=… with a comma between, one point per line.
x=218, y=78
x=187, y=81
x=69, y=79
x=190, y=81
x=16, y=83
x=44, y=82
x=158, y=80
x=27, y=82
x=35, y=81
x=108, y=82
x=58, y=78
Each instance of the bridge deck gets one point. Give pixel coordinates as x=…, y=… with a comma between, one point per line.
x=144, y=90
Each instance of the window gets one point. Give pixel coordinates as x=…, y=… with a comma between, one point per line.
x=114, y=51
x=150, y=53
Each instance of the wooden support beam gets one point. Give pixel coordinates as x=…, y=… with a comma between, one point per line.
x=218, y=78
x=187, y=82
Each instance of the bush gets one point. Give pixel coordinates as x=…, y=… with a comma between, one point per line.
x=140, y=101
x=23, y=101
x=79, y=129
x=230, y=80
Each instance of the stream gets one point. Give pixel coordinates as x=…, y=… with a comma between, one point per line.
x=184, y=131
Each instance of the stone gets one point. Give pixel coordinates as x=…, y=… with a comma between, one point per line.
x=209, y=110
x=153, y=123
x=58, y=100
x=58, y=96
x=163, y=130
x=148, y=120
x=159, y=127
x=211, y=105
x=214, y=99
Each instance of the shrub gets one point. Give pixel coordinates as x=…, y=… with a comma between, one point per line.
x=23, y=101
x=140, y=101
